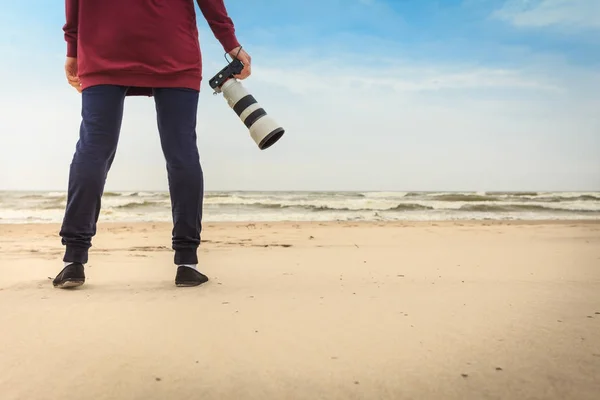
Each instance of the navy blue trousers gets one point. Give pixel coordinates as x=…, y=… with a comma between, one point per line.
x=102, y=113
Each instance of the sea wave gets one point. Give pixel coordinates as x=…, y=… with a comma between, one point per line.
x=512, y=194
x=415, y=206
x=140, y=204
x=493, y=208
x=410, y=207
x=136, y=194
x=399, y=207
x=313, y=206
x=331, y=207
x=586, y=197
x=464, y=197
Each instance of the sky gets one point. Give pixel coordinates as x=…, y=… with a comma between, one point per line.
x=390, y=95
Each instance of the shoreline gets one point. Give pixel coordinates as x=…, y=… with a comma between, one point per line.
x=399, y=223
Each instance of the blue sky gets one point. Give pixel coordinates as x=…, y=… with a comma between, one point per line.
x=374, y=94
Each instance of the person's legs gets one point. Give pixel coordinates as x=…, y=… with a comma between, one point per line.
x=102, y=113
x=176, y=116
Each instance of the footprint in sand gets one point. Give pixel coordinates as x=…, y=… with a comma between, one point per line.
x=150, y=248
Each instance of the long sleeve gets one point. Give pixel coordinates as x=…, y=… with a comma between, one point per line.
x=71, y=26
x=215, y=13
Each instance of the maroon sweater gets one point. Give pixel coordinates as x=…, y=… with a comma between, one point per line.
x=142, y=43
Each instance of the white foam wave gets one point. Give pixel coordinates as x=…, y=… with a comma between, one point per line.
x=315, y=206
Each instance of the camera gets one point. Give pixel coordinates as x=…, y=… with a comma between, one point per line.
x=264, y=130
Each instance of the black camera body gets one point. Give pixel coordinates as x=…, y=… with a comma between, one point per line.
x=235, y=67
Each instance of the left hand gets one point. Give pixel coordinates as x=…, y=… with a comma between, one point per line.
x=245, y=58
x=71, y=73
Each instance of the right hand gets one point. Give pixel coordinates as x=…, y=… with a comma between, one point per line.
x=245, y=58
x=72, y=74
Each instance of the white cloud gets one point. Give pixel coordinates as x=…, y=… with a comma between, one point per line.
x=401, y=79
x=572, y=14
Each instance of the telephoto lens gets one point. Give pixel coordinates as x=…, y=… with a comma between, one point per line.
x=264, y=130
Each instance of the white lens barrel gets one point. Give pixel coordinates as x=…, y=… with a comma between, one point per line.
x=264, y=130
x=233, y=91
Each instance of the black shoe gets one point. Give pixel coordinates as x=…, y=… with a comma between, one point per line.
x=189, y=277
x=71, y=276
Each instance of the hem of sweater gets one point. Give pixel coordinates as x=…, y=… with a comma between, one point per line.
x=143, y=80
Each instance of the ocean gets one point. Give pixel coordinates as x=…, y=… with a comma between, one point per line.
x=48, y=207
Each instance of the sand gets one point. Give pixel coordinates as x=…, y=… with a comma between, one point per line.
x=307, y=311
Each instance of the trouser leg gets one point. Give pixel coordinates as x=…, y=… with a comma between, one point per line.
x=176, y=116
x=102, y=113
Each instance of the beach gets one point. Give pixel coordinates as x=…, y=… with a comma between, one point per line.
x=487, y=309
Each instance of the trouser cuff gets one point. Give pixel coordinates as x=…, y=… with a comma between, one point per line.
x=187, y=256
x=76, y=254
